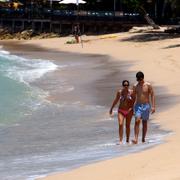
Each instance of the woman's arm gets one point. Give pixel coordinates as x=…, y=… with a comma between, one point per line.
x=115, y=102
x=131, y=103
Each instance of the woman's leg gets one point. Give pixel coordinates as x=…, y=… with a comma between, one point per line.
x=121, y=122
x=128, y=123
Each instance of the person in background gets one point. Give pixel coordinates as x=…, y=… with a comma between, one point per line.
x=76, y=33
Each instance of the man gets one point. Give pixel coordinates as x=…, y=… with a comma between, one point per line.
x=143, y=93
x=77, y=33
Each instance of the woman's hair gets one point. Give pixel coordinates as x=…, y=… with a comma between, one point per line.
x=125, y=81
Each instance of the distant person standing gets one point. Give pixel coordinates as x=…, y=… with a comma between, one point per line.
x=76, y=33
x=125, y=110
x=143, y=92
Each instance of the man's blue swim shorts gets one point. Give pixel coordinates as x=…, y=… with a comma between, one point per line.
x=142, y=111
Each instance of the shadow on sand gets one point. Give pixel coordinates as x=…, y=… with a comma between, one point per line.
x=146, y=37
x=172, y=46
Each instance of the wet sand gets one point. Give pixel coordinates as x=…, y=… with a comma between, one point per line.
x=113, y=72
x=159, y=63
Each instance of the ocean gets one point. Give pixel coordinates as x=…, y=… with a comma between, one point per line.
x=54, y=114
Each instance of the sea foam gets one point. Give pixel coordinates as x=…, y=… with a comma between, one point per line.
x=22, y=69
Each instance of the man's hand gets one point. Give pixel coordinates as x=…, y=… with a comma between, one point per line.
x=153, y=110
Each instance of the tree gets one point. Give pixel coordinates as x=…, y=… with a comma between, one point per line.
x=175, y=4
x=139, y=5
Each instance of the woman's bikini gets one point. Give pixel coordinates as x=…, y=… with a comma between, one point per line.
x=124, y=98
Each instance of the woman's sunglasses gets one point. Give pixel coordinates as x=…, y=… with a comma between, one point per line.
x=125, y=85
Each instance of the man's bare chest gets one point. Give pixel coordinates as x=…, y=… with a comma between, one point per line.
x=144, y=89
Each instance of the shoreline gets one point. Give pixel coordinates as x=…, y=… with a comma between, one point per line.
x=145, y=167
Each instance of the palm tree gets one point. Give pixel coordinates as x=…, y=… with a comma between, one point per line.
x=139, y=5
x=176, y=7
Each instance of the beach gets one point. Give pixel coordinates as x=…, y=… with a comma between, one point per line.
x=157, y=56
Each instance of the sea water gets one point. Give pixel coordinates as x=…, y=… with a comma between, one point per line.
x=38, y=137
x=18, y=98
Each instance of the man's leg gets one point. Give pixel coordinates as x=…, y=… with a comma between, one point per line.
x=136, y=130
x=144, y=130
x=145, y=117
x=121, y=123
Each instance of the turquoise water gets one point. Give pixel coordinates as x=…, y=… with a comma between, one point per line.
x=12, y=95
x=18, y=98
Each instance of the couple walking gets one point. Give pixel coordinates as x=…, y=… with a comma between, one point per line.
x=137, y=102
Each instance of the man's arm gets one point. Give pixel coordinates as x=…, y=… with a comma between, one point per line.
x=134, y=93
x=115, y=102
x=152, y=99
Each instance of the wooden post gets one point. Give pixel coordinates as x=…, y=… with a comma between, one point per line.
x=114, y=6
x=23, y=26
x=41, y=27
x=50, y=26
x=60, y=30
x=33, y=26
x=13, y=26
x=83, y=28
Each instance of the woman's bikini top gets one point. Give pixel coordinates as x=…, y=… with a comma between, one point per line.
x=127, y=97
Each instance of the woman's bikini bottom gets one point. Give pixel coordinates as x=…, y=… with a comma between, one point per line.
x=123, y=112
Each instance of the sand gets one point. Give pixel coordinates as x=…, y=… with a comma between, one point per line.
x=158, y=57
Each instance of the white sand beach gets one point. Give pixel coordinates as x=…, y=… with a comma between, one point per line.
x=159, y=60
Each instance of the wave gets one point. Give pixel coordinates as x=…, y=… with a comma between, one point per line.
x=18, y=97
x=22, y=69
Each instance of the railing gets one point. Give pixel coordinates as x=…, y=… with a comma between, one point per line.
x=59, y=14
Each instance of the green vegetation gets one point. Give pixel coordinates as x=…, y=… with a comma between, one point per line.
x=71, y=41
x=159, y=9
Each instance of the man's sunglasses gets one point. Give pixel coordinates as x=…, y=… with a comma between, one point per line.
x=139, y=79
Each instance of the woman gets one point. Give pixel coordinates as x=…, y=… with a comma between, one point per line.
x=125, y=110
x=76, y=32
